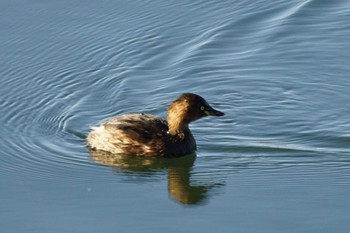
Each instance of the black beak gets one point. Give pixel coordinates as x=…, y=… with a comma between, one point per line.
x=213, y=112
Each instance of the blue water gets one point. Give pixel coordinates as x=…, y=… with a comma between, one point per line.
x=277, y=162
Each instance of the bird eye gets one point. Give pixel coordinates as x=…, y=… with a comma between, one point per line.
x=202, y=108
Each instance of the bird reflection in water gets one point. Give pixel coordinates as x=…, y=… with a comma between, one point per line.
x=180, y=187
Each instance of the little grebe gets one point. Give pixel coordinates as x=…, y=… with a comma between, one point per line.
x=148, y=135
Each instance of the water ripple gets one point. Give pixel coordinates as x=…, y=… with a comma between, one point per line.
x=68, y=72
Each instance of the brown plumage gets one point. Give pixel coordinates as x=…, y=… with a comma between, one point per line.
x=148, y=135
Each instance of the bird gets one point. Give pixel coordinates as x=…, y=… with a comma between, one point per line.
x=140, y=134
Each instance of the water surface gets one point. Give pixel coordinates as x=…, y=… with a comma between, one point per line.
x=277, y=162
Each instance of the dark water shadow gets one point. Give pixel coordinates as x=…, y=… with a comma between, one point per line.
x=181, y=188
